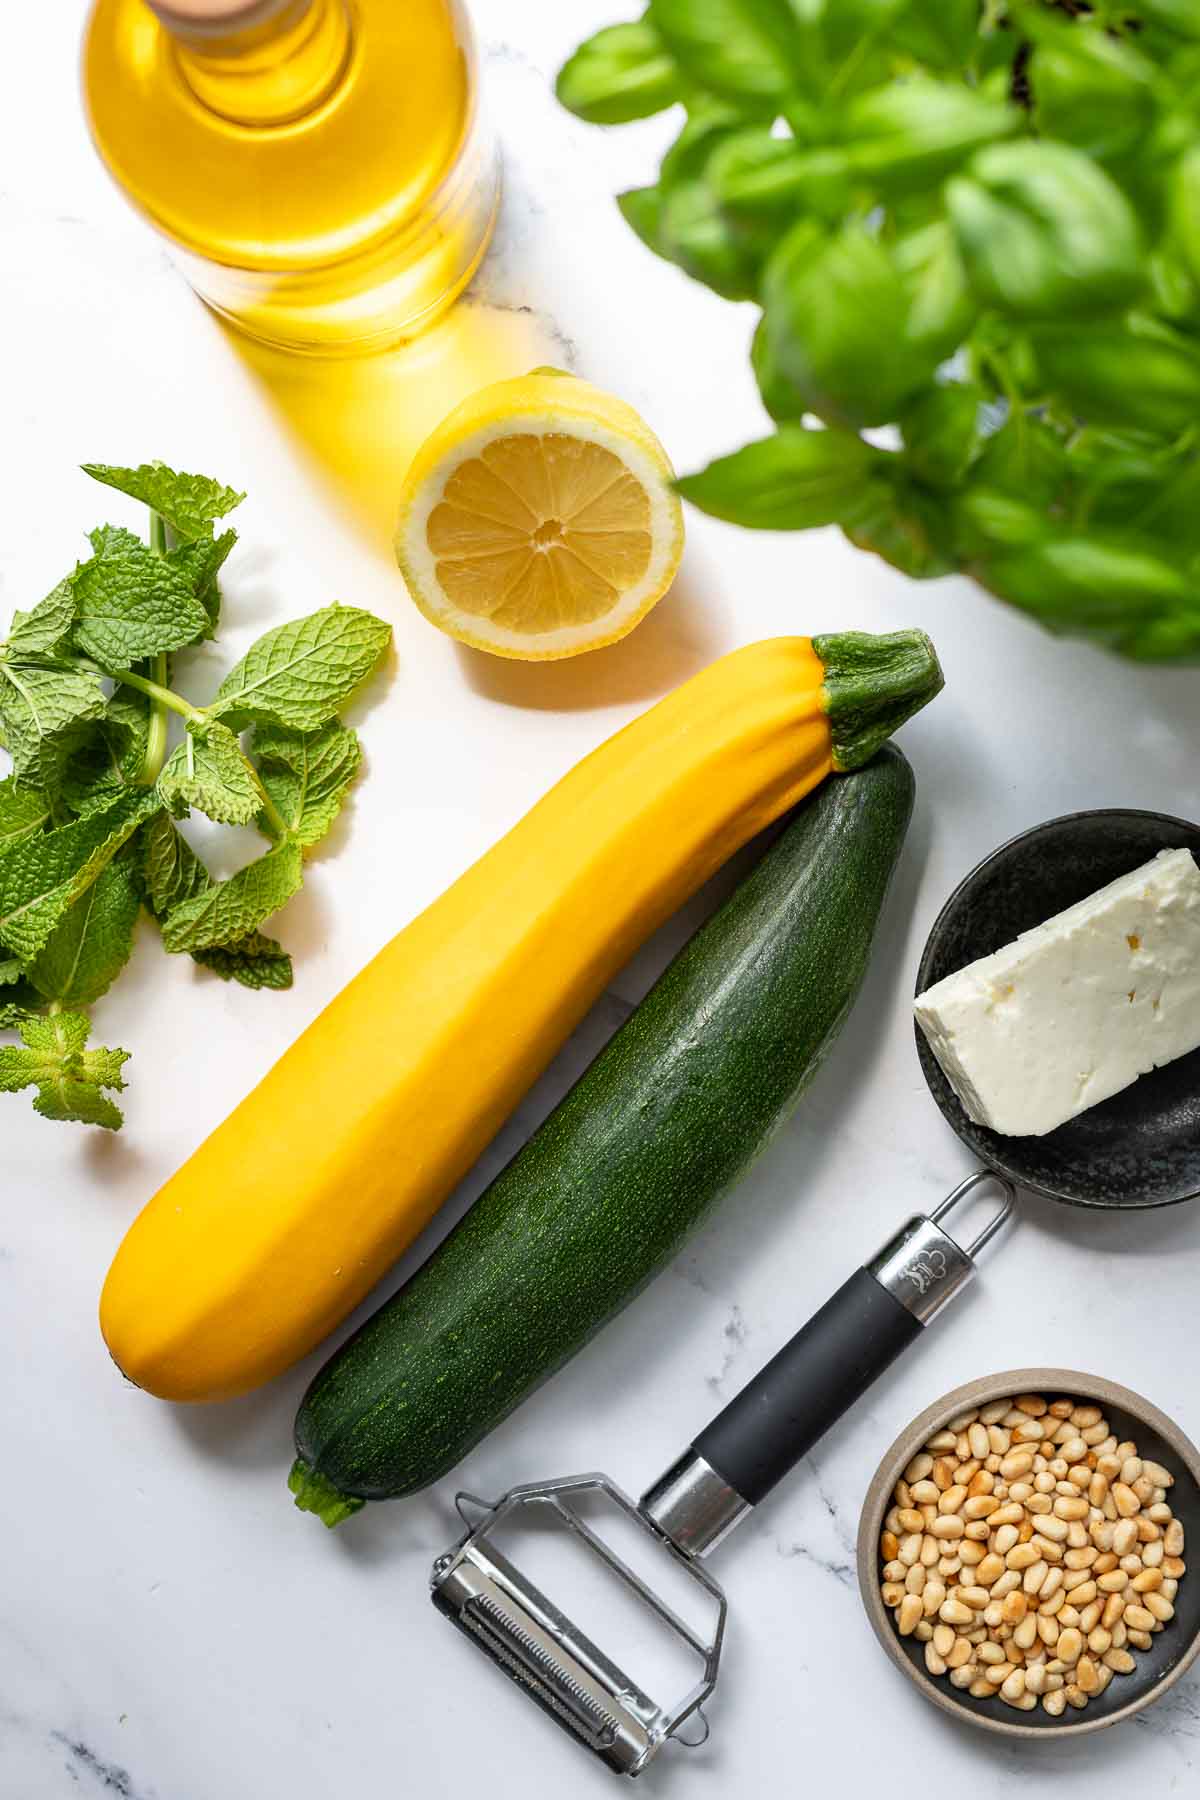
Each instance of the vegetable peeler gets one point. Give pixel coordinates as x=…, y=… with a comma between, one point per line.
x=725, y=1471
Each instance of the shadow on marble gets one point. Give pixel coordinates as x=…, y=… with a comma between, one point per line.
x=357, y=420
x=676, y=640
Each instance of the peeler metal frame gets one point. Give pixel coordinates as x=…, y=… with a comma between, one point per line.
x=727, y=1469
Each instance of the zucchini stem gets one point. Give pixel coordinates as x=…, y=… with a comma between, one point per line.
x=315, y=1493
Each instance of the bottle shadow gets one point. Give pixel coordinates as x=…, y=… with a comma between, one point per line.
x=357, y=421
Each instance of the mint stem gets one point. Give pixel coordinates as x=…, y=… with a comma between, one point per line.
x=164, y=695
x=155, y=752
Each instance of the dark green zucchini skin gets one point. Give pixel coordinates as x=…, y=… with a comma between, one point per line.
x=669, y=1115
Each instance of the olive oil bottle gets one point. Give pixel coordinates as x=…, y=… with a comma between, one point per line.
x=318, y=166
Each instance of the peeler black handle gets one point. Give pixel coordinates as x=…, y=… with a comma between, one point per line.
x=817, y=1376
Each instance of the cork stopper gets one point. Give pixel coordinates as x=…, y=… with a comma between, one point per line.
x=215, y=17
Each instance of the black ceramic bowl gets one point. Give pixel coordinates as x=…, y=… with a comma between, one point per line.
x=1142, y=1147
x=1172, y=1651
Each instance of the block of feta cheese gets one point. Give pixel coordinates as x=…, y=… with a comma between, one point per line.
x=1077, y=1008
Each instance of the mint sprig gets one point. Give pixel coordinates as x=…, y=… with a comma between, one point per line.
x=88, y=832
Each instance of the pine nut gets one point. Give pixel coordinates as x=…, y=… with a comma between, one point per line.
x=954, y=1612
x=1114, y=1606
x=911, y=1611
x=977, y=1437
x=1029, y=1553
x=1085, y=1675
x=1013, y=1687
x=1035, y=1575
x=933, y=1595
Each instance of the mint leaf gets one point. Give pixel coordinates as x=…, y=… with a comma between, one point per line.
x=10, y=971
x=84, y=955
x=174, y=873
x=300, y=674
x=12, y=1014
x=42, y=631
x=69, y=1079
x=188, y=503
x=41, y=877
x=172, y=870
x=23, y=813
x=307, y=775
x=208, y=771
x=37, y=706
x=200, y=562
x=231, y=909
x=256, y=962
x=132, y=602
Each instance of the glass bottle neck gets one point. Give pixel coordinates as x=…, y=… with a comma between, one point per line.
x=274, y=65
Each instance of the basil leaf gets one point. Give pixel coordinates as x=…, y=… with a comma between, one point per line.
x=740, y=48
x=1044, y=232
x=624, y=72
x=789, y=482
x=825, y=300
x=1122, y=374
x=941, y=433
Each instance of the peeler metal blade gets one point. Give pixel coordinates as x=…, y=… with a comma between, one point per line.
x=479, y=1589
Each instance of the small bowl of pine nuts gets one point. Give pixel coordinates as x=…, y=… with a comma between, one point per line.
x=1021, y=1552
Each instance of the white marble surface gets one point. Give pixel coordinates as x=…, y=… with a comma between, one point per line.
x=170, y=1628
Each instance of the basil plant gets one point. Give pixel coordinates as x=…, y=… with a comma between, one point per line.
x=976, y=222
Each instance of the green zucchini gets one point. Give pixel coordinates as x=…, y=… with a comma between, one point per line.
x=669, y=1115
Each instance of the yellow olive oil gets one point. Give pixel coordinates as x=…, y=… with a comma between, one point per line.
x=318, y=166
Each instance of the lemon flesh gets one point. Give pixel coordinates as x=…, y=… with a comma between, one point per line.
x=539, y=520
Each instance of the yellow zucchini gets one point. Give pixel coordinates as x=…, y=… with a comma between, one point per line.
x=289, y=1213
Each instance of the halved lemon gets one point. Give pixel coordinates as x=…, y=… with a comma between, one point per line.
x=539, y=519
